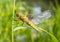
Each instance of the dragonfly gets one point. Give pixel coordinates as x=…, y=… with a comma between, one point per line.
x=34, y=19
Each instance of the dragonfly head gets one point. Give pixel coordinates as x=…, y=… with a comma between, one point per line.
x=19, y=15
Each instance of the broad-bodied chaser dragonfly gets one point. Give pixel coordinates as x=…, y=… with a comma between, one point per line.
x=38, y=16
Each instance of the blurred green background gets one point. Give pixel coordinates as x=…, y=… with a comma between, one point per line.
x=6, y=13
x=24, y=33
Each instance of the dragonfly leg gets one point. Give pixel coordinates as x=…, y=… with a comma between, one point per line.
x=23, y=24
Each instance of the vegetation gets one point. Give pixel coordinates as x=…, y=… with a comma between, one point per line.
x=13, y=29
x=6, y=13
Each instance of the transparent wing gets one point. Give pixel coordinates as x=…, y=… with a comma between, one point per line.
x=40, y=18
x=46, y=14
x=37, y=10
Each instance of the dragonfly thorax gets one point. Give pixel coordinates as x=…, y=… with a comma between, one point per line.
x=30, y=17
